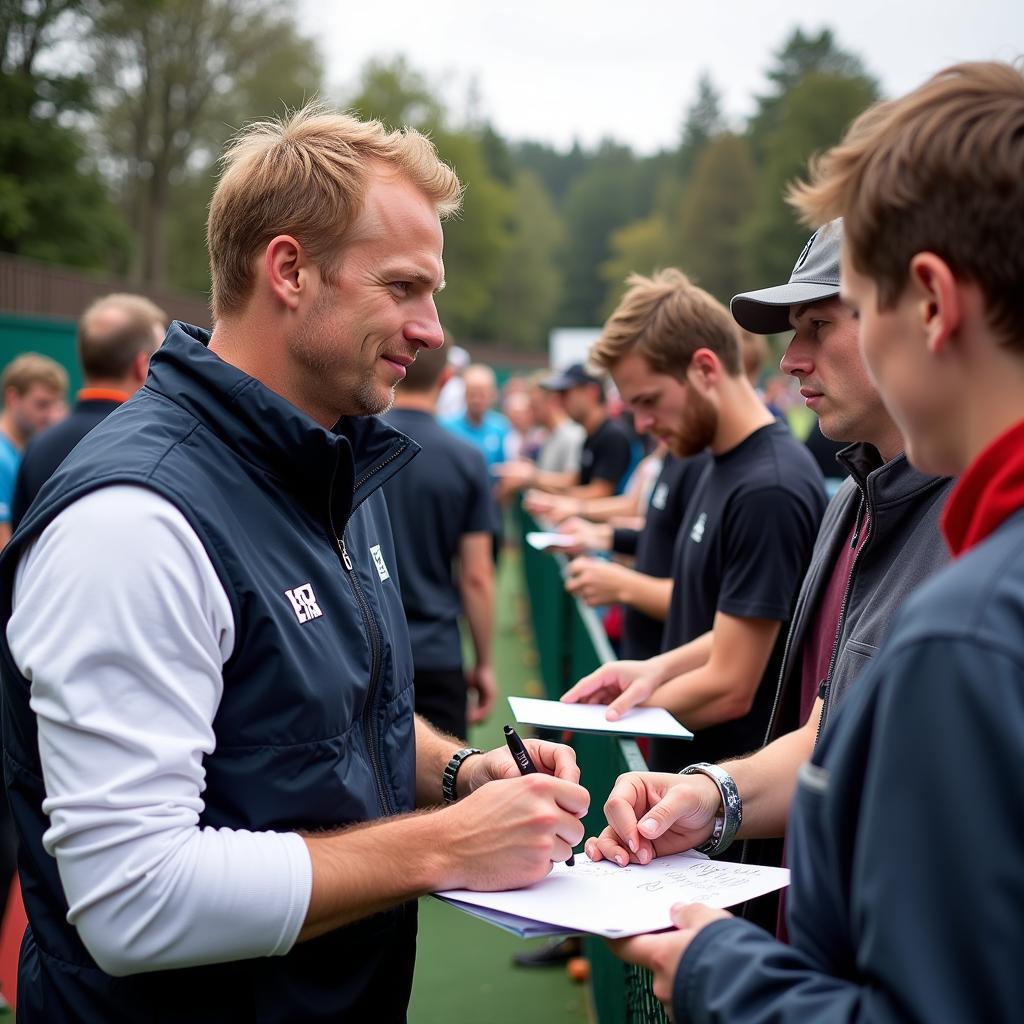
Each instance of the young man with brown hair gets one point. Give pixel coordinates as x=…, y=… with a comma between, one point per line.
x=208, y=701
x=673, y=352
x=34, y=388
x=905, y=838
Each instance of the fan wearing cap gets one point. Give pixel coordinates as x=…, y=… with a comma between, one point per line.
x=748, y=530
x=607, y=454
x=878, y=541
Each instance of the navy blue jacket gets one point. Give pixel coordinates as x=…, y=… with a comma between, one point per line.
x=315, y=727
x=907, y=837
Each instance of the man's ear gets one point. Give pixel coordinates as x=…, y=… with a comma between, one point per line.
x=938, y=304
x=705, y=369
x=287, y=270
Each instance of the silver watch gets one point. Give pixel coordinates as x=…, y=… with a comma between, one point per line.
x=727, y=824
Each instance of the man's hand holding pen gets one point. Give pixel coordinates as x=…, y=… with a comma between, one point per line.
x=509, y=829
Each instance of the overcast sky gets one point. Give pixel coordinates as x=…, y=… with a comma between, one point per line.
x=555, y=70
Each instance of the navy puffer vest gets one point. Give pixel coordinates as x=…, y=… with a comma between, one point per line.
x=315, y=728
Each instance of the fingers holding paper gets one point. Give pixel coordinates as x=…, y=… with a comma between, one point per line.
x=620, y=684
x=652, y=814
x=660, y=953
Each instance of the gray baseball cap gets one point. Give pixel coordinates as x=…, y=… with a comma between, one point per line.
x=815, y=276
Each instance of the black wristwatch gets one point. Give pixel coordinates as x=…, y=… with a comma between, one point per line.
x=451, y=772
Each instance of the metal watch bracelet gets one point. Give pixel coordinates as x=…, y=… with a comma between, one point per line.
x=727, y=824
x=451, y=772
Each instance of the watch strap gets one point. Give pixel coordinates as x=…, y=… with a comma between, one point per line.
x=451, y=771
x=727, y=824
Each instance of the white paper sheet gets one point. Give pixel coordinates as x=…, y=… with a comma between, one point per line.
x=603, y=899
x=553, y=714
x=541, y=541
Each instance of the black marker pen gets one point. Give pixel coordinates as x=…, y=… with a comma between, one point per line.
x=522, y=758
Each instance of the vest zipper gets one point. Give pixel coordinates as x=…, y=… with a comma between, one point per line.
x=376, y=642
x=861, y=510
x=369, y=726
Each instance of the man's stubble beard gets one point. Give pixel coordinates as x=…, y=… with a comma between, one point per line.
x=697, y=428
x=313, y=349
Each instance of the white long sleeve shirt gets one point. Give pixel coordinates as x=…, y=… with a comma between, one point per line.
x=122, y=627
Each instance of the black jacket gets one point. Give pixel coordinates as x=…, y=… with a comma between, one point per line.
x=907, y=838
x=903, y=548
x=315, y=726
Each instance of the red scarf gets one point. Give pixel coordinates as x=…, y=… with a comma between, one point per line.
x=989, y=492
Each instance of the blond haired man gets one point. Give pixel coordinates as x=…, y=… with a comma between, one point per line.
x=905, y=837
x=221, y=752
x=34, y=389
x=746, y=538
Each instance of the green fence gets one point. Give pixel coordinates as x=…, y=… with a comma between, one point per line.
x=48, y=336
x=571, y=643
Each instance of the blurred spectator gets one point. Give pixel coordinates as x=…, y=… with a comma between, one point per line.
x=778, y=394
x=116, y=336
x=35, y=388
x=606, y=456
x=519, y=413
x=443, y=495
x=452, y=400
x=480, y=425
x=485, y=429
x=563, y=445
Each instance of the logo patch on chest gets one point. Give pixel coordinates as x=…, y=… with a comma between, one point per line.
x=303, y=602
x=697, y=533
x=378, y=560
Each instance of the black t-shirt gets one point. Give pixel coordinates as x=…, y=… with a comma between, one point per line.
x=443, y=494
x=606, y=455
x=654, y=544
x=743, y=550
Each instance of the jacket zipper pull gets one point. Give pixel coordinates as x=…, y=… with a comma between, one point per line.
x=344, y=555
x=857, y=526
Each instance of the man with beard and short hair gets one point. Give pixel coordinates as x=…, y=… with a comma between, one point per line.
x=673, y=352
x=208, y=702
x=878, y=542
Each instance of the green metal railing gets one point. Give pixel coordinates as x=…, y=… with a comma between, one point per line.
x=571, y=643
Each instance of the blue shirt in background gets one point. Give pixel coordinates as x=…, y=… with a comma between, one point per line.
x=488, y=436
x=10, y=459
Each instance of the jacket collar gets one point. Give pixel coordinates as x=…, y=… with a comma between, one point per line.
x=883, y=482
x=353, y=459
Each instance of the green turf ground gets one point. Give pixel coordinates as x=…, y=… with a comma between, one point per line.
x=464, y=968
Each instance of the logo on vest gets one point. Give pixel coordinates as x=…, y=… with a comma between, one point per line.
x=303, y=602
x=659, y=499
x=697, y=533
x=378, y=560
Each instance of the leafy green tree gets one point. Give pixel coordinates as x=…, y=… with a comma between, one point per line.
x=615, y=190
x=799, y=56
x=811, y=116
x=174, y=78
x=704, y=121
x=54, y=205
x=394, y=92
x=529, y=281
x=720, y=198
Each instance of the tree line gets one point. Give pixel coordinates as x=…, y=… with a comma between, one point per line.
x=113, y=114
